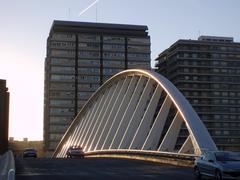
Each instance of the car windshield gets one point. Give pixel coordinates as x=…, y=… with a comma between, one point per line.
x=76, y=148
x=227, y=156
x=29, y=150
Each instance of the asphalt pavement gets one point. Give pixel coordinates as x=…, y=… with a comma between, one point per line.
x=97, y=168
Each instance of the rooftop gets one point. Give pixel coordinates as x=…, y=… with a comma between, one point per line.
x=215, y=38
x=75, y=26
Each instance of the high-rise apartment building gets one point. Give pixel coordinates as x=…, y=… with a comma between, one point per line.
x=80, y=57
x=207, y=72
x=4, y=116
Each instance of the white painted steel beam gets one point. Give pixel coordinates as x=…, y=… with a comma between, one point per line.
x=187, y=147
x=87, y=122
x=145, y=125
x=155, y=132
x=99, y=117
x=106, y=136
x=92, y=121
x=127, y=117
x=121, y=115
x=102, y=131
x=136, y=117
x=170, y=139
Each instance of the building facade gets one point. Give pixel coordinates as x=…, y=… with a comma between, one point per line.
x=207, y=72
x=4, y=116
x=80, y=57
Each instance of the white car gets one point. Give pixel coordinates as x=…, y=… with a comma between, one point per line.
x=218, y=164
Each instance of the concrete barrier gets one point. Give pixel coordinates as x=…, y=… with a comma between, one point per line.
x=153, y=156
x=7, y=166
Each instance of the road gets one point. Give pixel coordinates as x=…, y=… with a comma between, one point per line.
x=97, y=168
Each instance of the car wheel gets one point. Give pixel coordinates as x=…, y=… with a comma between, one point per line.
x=218, y=175
x=197, y=172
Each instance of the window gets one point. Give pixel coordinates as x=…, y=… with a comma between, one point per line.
x=217, y=124
x=215, y=70
x=194, y=55
x=113, y=47
x=62, y=77
x=216, y=86
x=58, y=44
x=195, y=101
x=138, y=41
x=232, y=94
x=62, y=53
x=138, y=48
x=195, y=78
x=60, y=102
x=61, y=86
x=232, y=109
x=88, y=62
x=62, y=61
x=225, y=101
x=63, y=111
x=224, y=93
x=186, y=70
x=226, y=132
x=88, y=38
x=138, y=56
x=113, y=55
x=88, y=54
x=62, y=69
x=89, y=45
x=217, y=132
x=113, y=39
x=88, y=70
x=89, y=78
x=186, y=77
x=224, y=70
x=60, y=120
x=62, y=36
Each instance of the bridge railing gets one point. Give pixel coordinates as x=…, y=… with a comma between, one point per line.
x=7, y=166
x=154, y=156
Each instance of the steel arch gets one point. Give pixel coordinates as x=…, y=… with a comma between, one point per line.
x=137, y=110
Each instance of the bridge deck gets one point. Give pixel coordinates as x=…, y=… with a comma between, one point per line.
x=97, y=168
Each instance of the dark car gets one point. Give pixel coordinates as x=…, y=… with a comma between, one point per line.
x=218, y=164
x=75, y=151
x=30, y=152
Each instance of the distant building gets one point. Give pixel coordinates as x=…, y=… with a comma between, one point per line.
x=207, y=72
x=80, y=57
x=4, y=116
x=18, y=147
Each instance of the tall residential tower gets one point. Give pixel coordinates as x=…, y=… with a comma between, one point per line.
x=207, y=72
x=80, y=57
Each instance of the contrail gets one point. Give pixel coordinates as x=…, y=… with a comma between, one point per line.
x=88, y=8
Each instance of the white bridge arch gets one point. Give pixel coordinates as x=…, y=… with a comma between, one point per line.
x=137, y=110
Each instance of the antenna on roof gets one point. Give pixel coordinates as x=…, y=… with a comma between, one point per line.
x=69, y=10
x=96, y=11
x=199, y=33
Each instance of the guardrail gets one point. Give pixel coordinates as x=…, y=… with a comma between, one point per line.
x=161, y=157
x=7, y=166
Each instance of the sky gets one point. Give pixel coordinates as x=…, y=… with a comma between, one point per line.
x=25, y=25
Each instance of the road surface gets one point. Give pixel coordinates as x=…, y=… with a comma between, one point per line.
x=97, y=168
